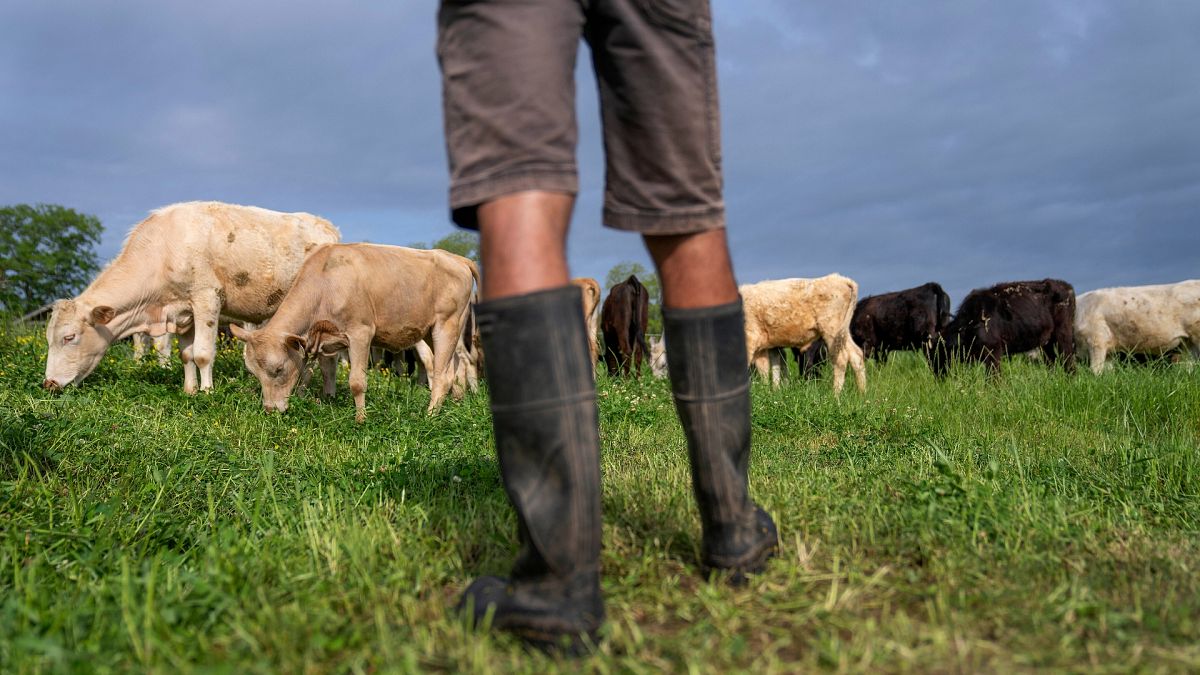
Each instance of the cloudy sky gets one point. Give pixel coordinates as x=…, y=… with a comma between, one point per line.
x=960, y=141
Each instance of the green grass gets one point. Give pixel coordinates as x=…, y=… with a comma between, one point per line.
x=1040, y=521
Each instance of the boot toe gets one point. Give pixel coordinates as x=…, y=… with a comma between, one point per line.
x=482, y=594
x=758, y=546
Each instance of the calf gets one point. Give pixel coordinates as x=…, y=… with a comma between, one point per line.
x=1152, y=320
x=623, y=320
x=1011, y=318
x=350, y=296
x=797, y=313
x=902, y=320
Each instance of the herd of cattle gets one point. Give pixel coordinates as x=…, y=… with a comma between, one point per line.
x=302, y=296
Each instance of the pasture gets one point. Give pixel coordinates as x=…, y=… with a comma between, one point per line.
x=1040, y=521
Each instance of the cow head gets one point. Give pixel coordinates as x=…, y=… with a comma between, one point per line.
x=277, y=358
x=77, y=336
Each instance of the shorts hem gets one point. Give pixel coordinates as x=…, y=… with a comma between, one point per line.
x=665, y=222
x=467, y=195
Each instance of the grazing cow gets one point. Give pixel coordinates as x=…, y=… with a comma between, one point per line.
x=1011, y=318
x=902, y=320
x=1143, y=320
x=591, y=313
x=623, y=319
x=797, y=313
x=180, y=271
x=350, y=296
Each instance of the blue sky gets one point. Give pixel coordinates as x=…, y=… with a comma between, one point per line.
x=963, y=142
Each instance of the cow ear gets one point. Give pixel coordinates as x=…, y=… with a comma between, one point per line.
x=102, y=315
x=327, y=339
x=239, y=332
x=295, y=343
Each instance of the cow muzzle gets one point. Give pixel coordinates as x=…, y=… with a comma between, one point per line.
x=51, y=385
x=275, y=406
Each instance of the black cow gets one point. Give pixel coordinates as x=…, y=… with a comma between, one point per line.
x=623, y=321
x=910, y=319
x=902, y=320
x=1011, y=318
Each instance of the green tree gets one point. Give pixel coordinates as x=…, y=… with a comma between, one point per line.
x=46, y=252
x=461, y=242
x=621, y=271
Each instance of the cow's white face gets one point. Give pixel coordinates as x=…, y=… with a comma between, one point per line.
x=276, y=360
x=77, y=337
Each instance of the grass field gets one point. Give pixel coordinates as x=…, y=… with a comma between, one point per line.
x=1042, y=521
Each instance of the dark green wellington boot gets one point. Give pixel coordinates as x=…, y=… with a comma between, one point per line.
x=706, y=358
x=544, y=417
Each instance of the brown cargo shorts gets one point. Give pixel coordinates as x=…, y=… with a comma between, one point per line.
x=508, y=78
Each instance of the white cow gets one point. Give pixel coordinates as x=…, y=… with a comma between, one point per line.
x=796, y=313
x=352, y=296
x=1138, y=319
x=180, y=271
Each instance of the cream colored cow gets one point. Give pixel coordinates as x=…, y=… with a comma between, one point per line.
x=180, y=271
x=591, y=314
x=1138, y=319
x=353, y=296
x=797, y=312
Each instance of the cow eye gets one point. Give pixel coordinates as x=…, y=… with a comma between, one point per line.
x=68, y=338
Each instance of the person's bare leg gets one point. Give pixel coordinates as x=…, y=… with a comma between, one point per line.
x=523, y=243
x=694, y=269
x=544, y=420
x=706, y=359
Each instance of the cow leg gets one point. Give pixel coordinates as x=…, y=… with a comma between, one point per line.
x=424, y=362
x=626, y=351
x=1064, y=344
x=1097, y=353
x=776, y=363
x=762, y=363
x=858, y=365
x=445, y=340
x=162, y=347
x=186, y=341
x=839, y=354
x=991, y=358
x=360, y=356
x=328, y=375
x=206, y=311
x=139, y=345
x=1050, y=354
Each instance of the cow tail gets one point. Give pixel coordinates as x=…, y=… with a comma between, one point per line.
x=943, y=309
x=842, y=337
x=638, y=331
x=470, y=327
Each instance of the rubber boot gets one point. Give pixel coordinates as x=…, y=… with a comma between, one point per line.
x=544, y=417
x=706, y=359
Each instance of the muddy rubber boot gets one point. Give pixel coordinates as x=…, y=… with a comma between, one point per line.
x=544, y=416
x=706, y=358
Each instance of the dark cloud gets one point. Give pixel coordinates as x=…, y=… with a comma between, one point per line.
x=964, y=142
